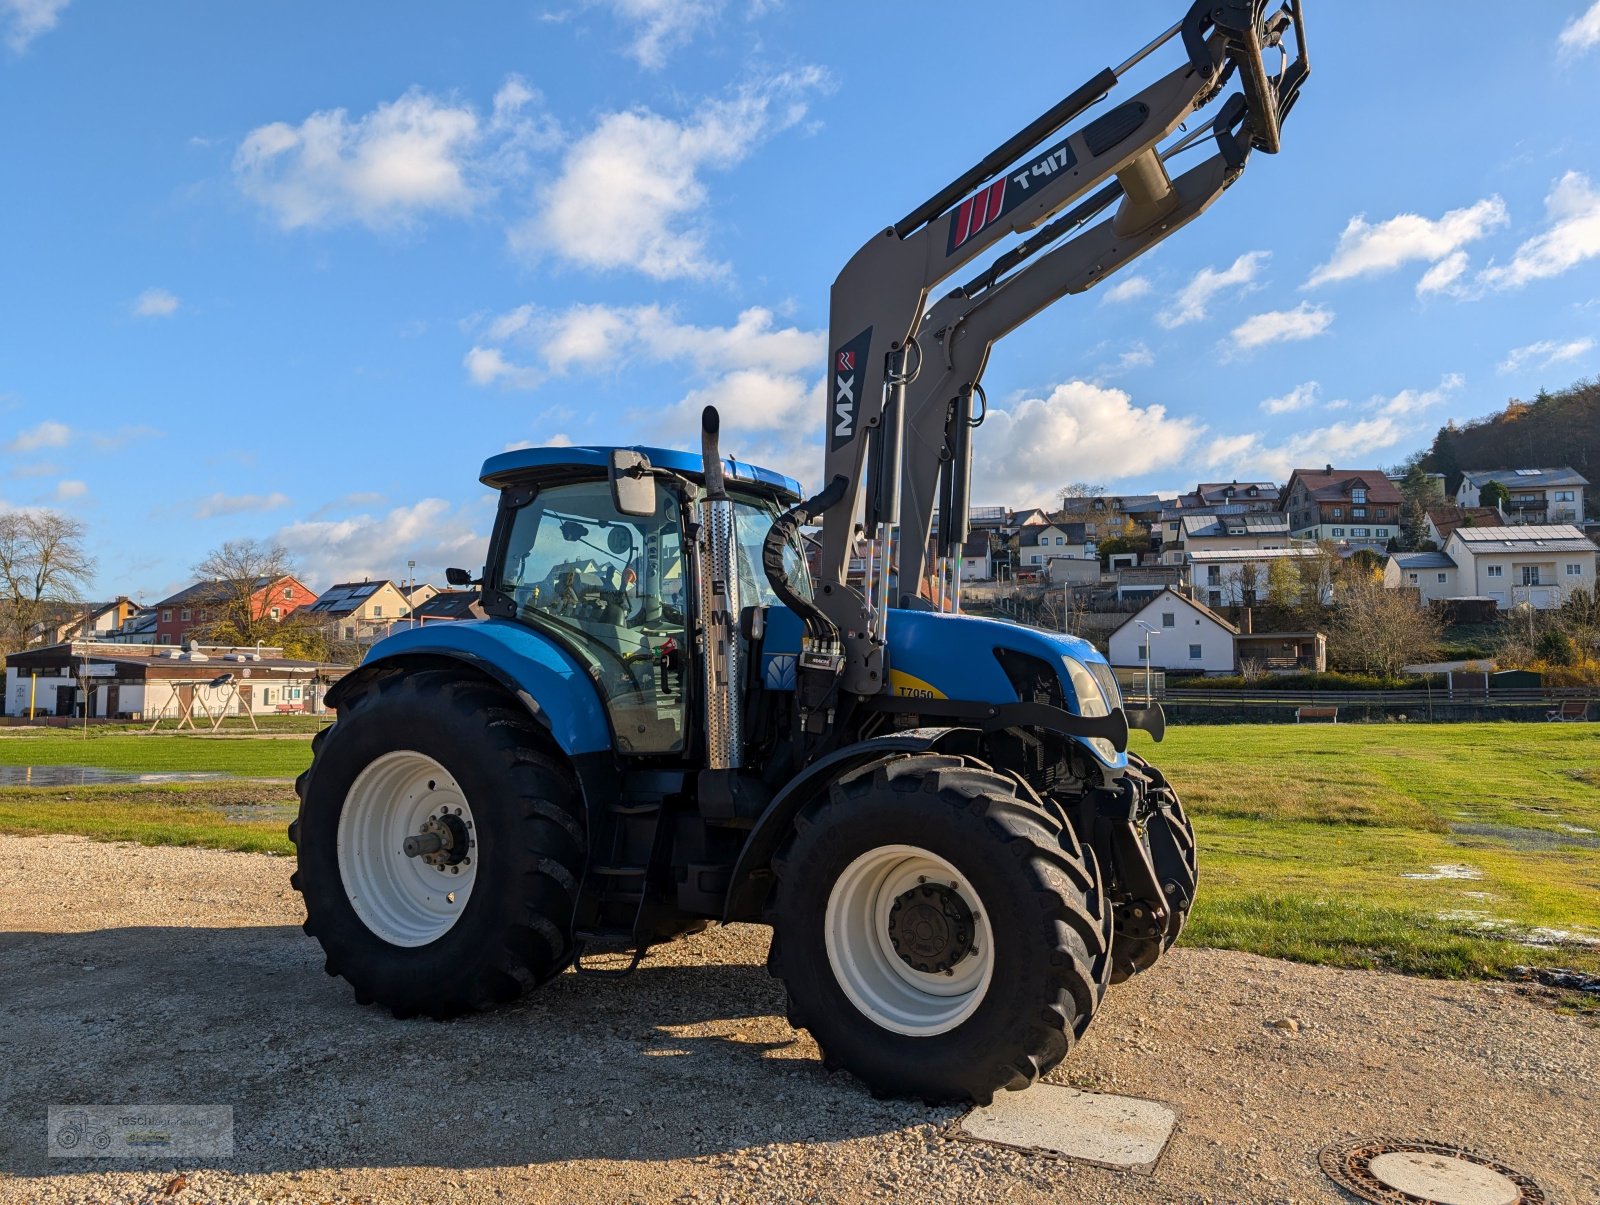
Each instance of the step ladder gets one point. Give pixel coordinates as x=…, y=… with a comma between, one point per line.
x=615, y=895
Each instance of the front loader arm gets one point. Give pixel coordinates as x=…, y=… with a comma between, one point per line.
x=959, y=331
x=877, y=301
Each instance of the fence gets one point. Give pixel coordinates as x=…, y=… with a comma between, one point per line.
x=1201, y=706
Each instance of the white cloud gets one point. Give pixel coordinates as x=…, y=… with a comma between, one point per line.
x=765, y=378
x=21, y=21
x=66, y=490
x=155, y=303
x=407, y=157
x=218, y=505
x=1301, y=397
x=48, y=434
x=1130, y=289
x=1249, y=455
x=1194, y=298
x=1080, y=431
x=1573, y=210
x=113, y=441
x=1545, y=353
x=489, y=366
x=1305, y=321
x=660, y=26
x=430, y=532
x=1442, y=277
x=1364, y=249
x=1582, y=32
x=630, y=193
x=1413, y=401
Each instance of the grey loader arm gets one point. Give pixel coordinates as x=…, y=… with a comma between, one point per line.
x=879, y=343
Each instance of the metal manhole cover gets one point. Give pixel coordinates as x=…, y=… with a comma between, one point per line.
x=1393, y=1171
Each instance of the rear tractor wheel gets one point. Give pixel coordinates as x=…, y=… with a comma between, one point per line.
x=939, y=934
x=440, y=849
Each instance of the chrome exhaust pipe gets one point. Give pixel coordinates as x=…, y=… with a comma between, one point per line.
x=719, y=607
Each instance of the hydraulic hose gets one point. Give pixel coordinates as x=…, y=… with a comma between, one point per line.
x=784, y=531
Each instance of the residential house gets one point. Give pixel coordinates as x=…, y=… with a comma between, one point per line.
x=142, y=681
x=137, y=628
x=1240, y=577
x=1537, y=496
x=448, y=605
x=977, y=558
x=1036, y=544
x=1184, y=636
x=1104, y=516
x=1167, y=530
x=1254, y=496
x=359, y=610
x=1431, y=574
x=418, y=593
x=1347, y=506
x=1540, y=565
x=1228, y=533
x=201, y=603
x=1442, y=520
x=82, y=620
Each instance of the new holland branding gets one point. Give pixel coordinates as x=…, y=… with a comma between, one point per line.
x=849, y=364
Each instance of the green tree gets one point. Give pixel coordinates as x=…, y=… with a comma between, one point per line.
x=1494, y=494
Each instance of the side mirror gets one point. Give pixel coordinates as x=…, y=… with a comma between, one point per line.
x=633, y=489
x=458, y=577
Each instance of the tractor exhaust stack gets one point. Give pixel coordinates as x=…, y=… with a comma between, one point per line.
x=719, y=607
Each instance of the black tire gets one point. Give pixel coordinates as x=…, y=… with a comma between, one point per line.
x=515, y=930
x=1043, y=902
x=1169, y=834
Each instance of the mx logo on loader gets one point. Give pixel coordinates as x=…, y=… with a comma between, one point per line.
x=846, y=394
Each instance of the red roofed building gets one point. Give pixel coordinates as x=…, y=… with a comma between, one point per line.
x=200, y=604
x=1347, y=506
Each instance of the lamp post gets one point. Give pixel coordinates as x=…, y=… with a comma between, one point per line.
x=411, y=602
x=1150, y=634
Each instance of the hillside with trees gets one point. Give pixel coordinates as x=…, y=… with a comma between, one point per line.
x=1561, y=428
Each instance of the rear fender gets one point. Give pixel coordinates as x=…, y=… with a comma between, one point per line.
x=752, y=873
x=544, y=678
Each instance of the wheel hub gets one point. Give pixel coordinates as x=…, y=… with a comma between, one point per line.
x=442, y=841
x=931, y=929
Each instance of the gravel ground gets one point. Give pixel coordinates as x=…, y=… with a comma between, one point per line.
x=170, y=975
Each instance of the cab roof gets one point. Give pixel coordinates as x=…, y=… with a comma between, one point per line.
x=500, y=470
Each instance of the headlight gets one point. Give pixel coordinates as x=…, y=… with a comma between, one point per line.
x=1092, y=702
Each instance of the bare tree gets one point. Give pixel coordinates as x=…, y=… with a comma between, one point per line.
x=43, y=563
x=1376, y=630
x=237, y=606
x=1244, y=584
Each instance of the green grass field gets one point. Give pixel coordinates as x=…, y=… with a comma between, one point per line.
x=1307, y=833
x=281, y=757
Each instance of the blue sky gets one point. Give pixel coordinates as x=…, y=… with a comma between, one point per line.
x=293, y=271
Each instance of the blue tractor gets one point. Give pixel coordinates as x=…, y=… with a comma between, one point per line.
x=670, y=717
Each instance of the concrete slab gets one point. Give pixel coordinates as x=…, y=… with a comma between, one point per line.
x=1123, y=1132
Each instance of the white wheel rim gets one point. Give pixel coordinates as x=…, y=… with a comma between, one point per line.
x=883, y=986
x=404, y=900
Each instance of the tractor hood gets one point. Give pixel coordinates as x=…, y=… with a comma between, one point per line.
x=937, y=656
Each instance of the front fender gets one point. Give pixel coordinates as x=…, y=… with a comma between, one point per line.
x=752, y=874
x=550, y=683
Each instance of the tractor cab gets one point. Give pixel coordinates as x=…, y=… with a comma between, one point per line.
x=616, y=590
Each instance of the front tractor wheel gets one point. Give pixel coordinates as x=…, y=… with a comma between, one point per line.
x=440, y=848
x=939, y=934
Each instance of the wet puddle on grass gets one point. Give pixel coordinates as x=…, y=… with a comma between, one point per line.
x=88, y=776
x=1530, y=839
